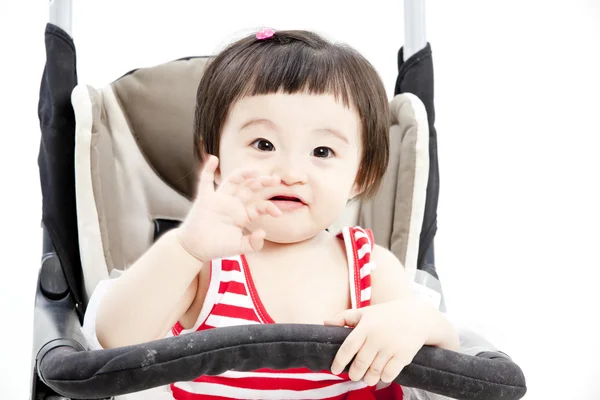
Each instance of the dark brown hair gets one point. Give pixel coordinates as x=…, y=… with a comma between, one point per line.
x=293, y=62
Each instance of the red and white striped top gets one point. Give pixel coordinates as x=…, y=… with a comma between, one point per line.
x=232, y=300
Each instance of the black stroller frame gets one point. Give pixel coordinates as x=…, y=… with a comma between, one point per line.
x=62, y=366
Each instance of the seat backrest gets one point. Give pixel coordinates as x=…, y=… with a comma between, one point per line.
x=134, y=165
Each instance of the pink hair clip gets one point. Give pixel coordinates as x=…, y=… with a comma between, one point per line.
x=265, y=33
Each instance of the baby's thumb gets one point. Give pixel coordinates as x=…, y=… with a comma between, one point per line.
x=349, y=318
x=206, y=177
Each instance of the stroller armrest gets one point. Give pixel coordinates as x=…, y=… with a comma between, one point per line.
x=56, y=321
x=110, y=372
x=55, y=311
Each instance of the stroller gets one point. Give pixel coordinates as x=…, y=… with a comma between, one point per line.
x=115, y=173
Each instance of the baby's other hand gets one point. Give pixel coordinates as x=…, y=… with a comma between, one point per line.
x=385, y=339
x=218, y=223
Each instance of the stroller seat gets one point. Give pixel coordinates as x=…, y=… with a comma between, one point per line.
x=134, y=180
x=135, y=173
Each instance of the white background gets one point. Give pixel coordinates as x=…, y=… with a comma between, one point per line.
x=517, y=87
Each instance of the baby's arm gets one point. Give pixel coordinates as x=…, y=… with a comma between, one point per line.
x=150, y=297
x=390, y=283
x=389, y=333
x=147, y=300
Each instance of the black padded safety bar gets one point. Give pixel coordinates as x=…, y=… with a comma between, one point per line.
x=111, y=372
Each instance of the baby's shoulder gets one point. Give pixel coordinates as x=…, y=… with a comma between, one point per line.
x=388, y=280
x=379, y=255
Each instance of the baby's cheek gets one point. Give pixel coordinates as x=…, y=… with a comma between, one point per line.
x=337, y=188
x=330, y=209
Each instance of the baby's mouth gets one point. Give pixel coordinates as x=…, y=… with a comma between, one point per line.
x=287, y=203
x=286, y=198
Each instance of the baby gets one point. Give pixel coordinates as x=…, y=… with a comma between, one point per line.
x=288, y=129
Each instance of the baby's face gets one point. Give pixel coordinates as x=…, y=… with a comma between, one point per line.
x=312, y=142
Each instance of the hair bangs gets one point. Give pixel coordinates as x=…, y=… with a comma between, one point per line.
x=295, y=69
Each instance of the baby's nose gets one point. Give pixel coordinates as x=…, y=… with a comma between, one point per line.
x=292, y=173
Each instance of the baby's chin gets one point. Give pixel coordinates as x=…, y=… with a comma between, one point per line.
x=290, y=235
x=279, y=233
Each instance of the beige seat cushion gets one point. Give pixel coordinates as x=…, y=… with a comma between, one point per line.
x=396, y=213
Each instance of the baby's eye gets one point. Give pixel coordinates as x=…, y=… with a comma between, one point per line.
x=323, y=152
x=263, y=145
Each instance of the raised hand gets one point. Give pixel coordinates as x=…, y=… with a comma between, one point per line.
x=219, y=222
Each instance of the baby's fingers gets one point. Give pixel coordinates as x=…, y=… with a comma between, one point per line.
x=364, y=361
x=268, y=208
x=252, y=213
x=393, y=369
x=262, y=182
x=349, y=348
x=255, y=210
x=231, y=184
x=247, y=191
x=373, y=375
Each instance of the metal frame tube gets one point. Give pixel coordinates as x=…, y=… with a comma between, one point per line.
x=61, y=15
x=414, y=27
